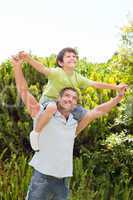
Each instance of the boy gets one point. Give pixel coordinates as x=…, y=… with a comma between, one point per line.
x=63, y=76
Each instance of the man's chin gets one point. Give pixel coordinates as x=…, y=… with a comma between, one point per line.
x=68, y=109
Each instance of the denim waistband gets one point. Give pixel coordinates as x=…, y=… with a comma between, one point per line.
x=50, y=176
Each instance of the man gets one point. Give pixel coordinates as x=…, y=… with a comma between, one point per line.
x=53, y=162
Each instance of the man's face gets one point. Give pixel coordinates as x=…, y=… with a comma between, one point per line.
x=69, y=100
x=69, y=60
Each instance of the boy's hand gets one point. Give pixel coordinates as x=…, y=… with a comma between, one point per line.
x=16, y=61
x=23, y=55
x=122, y=89
x=122, y=86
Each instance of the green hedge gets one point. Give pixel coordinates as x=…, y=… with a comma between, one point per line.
x=103, y=153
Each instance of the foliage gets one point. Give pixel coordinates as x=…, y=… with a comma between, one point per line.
x=95, y=177
x=103, y=153
x=15, y=175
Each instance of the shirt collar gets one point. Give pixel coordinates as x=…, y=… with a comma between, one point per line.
x=58, y=114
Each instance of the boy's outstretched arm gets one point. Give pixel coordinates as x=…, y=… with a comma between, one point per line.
x=107, y=85
x=100, y=111
x=34, y=63
x=29, y=100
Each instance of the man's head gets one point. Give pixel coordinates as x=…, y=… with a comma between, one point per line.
x=67, y=57
x=68, y=99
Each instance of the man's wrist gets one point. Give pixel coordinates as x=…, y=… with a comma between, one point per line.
x=118, y=98
x=27, y=58
x=120, y=94
x=17, y=65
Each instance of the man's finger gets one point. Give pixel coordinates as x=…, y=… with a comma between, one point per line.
x=15, y=58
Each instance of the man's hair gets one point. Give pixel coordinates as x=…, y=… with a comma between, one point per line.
x=61, y=93
x=61, y=54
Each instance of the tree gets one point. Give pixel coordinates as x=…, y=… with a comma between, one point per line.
x=126, y=41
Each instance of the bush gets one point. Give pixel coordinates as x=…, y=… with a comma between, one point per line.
x=103, y=153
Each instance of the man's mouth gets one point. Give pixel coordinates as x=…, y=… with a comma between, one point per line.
x=68, y=103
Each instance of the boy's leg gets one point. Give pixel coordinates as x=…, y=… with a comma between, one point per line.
x=50, y=107
x=45, y=116
x=79, y=112
x=41, y=120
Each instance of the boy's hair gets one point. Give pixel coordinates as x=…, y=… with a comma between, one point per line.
x=61, y=93
x=61, y=54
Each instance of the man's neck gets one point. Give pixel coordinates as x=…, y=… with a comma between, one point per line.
x=64, y=112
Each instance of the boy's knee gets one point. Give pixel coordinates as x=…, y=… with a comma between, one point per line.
x=51, y=107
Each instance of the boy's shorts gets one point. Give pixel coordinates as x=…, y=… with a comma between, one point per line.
x=78, y=113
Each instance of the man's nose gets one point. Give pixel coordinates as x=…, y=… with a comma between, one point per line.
x=70, y=99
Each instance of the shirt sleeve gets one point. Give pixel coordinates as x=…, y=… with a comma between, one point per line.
x=54, y=73
x=84, y=82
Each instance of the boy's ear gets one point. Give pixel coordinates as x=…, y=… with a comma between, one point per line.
x=60, y=63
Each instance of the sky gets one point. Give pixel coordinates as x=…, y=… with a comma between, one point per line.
x=44, y=27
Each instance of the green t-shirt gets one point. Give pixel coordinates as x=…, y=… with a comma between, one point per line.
x=58, y=79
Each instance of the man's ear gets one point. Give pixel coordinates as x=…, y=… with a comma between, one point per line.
x=58, y=99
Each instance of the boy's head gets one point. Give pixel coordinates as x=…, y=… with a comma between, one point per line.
x=67, y=56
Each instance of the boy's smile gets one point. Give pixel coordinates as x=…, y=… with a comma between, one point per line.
x=69, y=60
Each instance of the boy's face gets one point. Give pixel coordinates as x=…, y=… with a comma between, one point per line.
x=69, y=60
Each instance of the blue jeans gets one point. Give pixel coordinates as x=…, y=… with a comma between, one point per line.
x=45, y=187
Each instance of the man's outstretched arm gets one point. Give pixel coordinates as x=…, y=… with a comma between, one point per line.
x=100, y=111
x=29, y=100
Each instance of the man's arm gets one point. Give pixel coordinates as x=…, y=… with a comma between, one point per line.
x=29, y=100
x=99, y=111
x=34, y=63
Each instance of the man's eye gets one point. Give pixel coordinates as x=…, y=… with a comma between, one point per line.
x=66, y=95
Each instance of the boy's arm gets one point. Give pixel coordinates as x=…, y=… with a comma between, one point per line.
x=99, y=111
x=107, y=85
x=34, y=63
x=29, y=100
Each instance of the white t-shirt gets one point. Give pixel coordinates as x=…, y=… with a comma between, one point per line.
x=56, y=142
